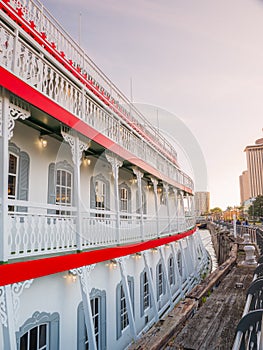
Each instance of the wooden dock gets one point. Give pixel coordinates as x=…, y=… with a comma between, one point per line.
x=208, y=316
x=213, y=326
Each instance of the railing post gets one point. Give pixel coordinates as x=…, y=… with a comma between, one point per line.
x=4, y=159
x=14, y=61
x=176, y=208
x=166, y=193
x=139, y=176
x=116, y=163
x=77, y=148
x=155, y=183
x=182, y=211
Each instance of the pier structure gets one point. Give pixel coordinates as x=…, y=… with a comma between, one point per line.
x=225, y=309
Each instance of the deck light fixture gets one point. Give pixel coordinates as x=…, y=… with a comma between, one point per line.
x=43, y=141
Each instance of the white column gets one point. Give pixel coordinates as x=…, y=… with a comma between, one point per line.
x=152, y=290
x=8, y=317
x=11, y=109
x=165, y=274
x=185, y=264
x=139, y=175
x=155, y=183
x=192, y=205
x=4, y=161
x=181, y=195
x=116, y=163
x=77, y=148
x=166, y=193
x=83, y=274
x=192, y=240
x=126, y=291
x=176, y=208
x=177, y=271
x=10, y=305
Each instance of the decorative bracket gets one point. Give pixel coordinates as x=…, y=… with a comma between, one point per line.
x=77, y=147
x=115, y=162
x=17, y=289
x=84, y=275
x=3, y=308
x=18, y=109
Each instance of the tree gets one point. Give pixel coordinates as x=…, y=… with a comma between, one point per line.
x=256, y=208
x=216, y=213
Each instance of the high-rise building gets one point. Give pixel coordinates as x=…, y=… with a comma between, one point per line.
x=251, y=180
x=202, y=203
x=244, y=186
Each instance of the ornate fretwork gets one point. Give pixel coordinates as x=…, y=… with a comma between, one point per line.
x=18, y=109
x=122, y=259
x=84, y=275
x=17, y=290
x=3, y=312
x=175, y=191
x=165, y=187
x=77, y=147
x=139, y=174
x=155, y=183
x=115, y=162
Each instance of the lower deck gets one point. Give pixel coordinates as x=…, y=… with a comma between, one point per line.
x=105, y=305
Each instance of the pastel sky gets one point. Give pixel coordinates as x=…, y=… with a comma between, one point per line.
x=201, y=61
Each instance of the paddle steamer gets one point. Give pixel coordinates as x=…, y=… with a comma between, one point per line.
x=97, y=226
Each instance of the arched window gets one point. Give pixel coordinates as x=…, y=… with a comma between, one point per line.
x=180, y=262
x=99, y=194
x=171, y=271
x=98, y=309
x=18, y=176
x=60, y=186
x=143, y=202
x=121, y=306
x=160, y=281
x=40, y=332
x=125, y=200
x=145, y=295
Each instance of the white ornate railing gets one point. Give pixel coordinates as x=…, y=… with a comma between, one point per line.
x=47, y=31
x=21, y=58
x=37, y=230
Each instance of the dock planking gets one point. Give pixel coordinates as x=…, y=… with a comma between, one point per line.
x=213, y=325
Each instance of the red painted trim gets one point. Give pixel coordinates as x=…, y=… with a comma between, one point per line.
x=18, y=87
x=40, y=38
x=21, y=271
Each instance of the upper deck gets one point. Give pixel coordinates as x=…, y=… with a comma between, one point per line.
x=70, y=196
x=35, y=48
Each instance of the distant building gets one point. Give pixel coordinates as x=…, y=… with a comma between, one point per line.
x=244, y=186
x=202, y=203
x=251, y=180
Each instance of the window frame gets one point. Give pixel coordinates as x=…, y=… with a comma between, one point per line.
x=171, y=270
x=143, y=307
x=82, y=334
x=37, y=319
x=160, y=280
x=119, y=330
x=52, y=186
